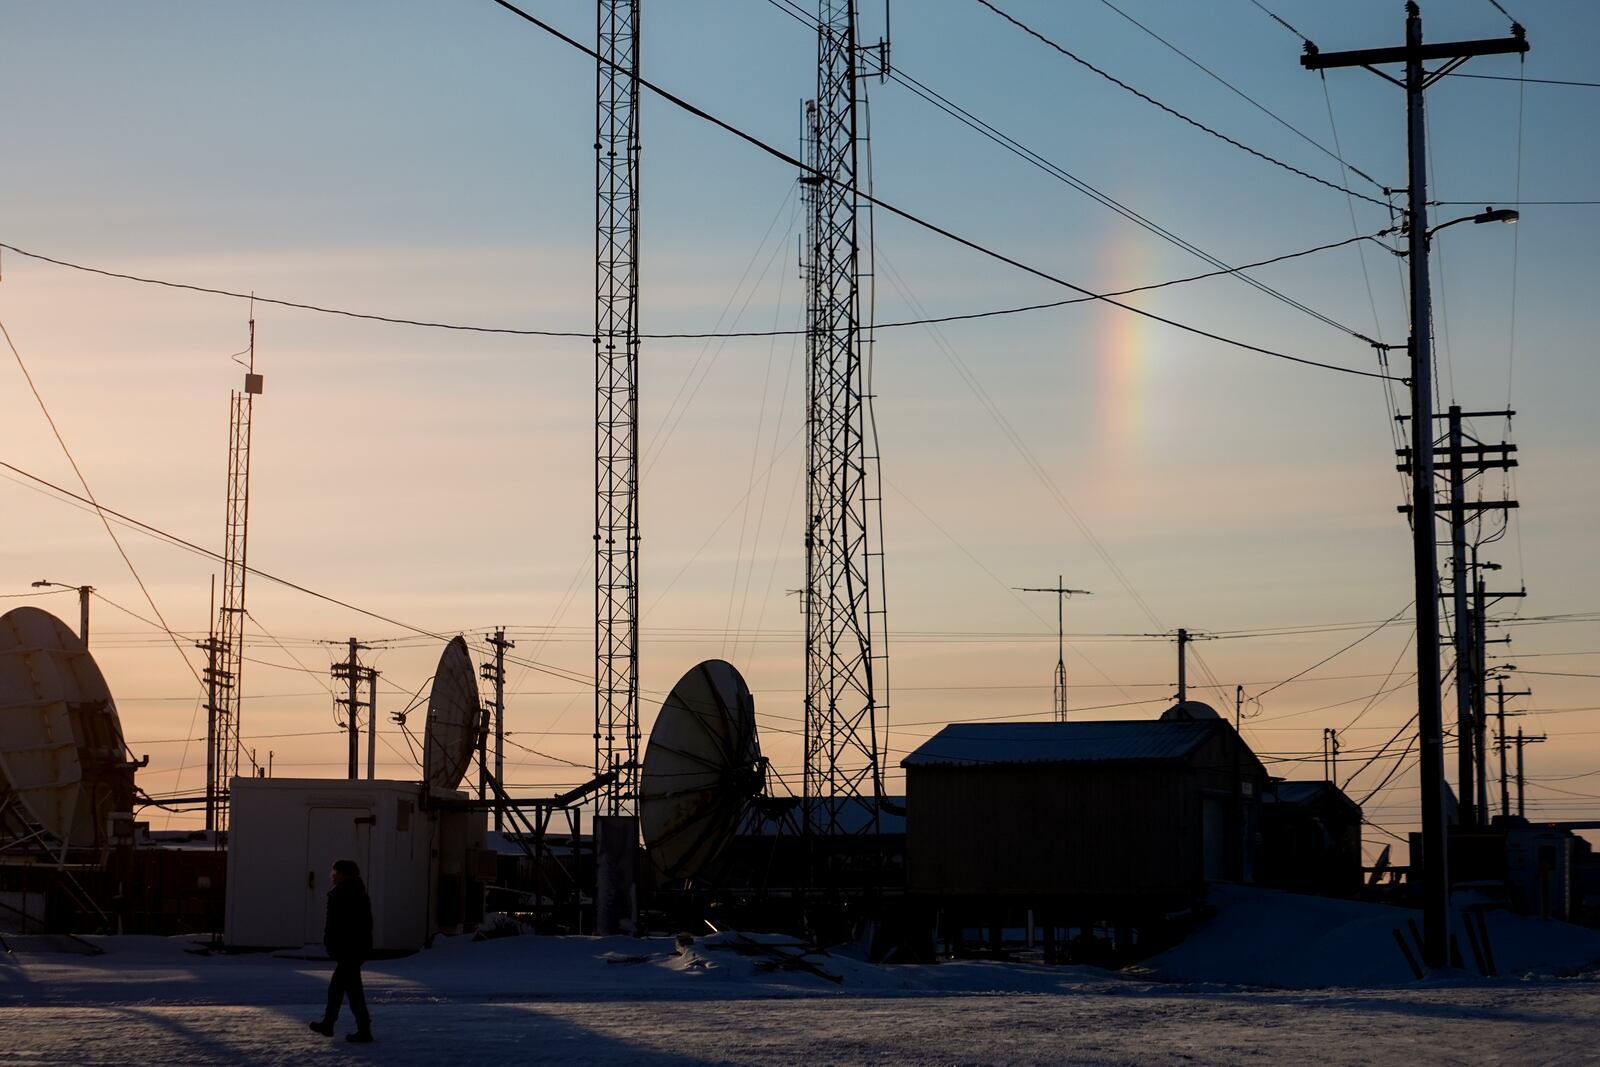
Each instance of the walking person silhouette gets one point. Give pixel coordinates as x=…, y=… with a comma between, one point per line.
x=347, y=935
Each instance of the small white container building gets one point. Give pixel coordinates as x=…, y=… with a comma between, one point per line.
x=419, y=854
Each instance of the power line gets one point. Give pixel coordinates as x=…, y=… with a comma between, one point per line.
x=1535, y=81
x=917, y=220
x=1038, y=469
x=1496, y=5
x=1060, y=173
x=1173, y=111
x=1282, y=22
x=1517, y=203
x=1223, y=270
x=90, y=499
x=1399, y=763
x=1241, y=94
x=557, y=672
x=1342, y=651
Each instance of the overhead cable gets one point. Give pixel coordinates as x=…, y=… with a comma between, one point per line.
x=89, y=498
x=1055, y=170
x=1281, y=21
x=1170, y=110
x=917, y=220
x=1535, y=81
x=174, y=539
x=1241, y=94
x=1223, y=270
x=1337, y=654
x=1060, y=173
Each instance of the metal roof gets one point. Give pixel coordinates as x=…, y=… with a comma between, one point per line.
x=1298, y=792
x=976, y=744
x=1303, y=793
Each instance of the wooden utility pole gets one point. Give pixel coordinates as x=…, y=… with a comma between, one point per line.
x=1529, y=739
x=351, y=672
x=1462, y=458
x=1430, y=727
x=212, y=647
x=1183, y=665
x=372, y=722
x=1500, y=695
x=495, y=673
x=1480, y=678
x=1061, y=593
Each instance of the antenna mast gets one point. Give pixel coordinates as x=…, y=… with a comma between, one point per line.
x=224, y=680
x=846, y=660
x=616, y=340
x=1062, y=594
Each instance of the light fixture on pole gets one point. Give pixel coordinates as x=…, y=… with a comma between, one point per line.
x=1488, y=214
x=83, y=604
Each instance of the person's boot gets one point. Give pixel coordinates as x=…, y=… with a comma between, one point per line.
x=323, y=1027
x=362, y=1036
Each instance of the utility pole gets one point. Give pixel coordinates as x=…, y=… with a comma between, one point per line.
x=351, y=672
x=1529, y=739
x=1062, y=593
x=1464, y=630
x=214, y=681
x=372, y=723
x=1185, y=638
x=1462, y=459
x=1330, y=755
x=495, y=673
x=1430, y=727
x=1183, y=665
x=1500, y=695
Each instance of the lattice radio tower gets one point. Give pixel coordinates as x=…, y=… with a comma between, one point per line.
x=616, y=341
x=225, y=666
x=846, y=638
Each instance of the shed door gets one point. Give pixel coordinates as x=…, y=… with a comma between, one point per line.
x=331, y=834
x=1213, y=837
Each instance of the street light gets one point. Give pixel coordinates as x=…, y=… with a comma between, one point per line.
x=83, y=604
x=1488, y=214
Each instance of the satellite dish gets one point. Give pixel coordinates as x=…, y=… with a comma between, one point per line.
x=701, y=768
x=1190, y=711
x=61, y=750
x=454, y=718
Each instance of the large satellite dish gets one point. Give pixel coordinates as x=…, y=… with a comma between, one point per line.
x=454, y=718
x=701, y=768
x=62, y=756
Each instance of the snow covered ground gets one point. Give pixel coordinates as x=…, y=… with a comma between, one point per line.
x=622, y=1000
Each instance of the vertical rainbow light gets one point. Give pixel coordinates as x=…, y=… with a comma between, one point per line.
x=1121, y=344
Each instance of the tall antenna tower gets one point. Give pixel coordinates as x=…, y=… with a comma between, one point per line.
x=846, y=637
x=616, y=341
x=224, y=705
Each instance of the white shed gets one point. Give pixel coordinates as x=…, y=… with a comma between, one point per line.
x=416, y=857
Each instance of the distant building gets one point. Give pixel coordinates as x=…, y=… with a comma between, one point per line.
x=1311, y=839
x=1082, y=822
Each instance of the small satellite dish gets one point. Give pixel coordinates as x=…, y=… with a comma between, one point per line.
x=454, y=718
x=1190, y=711
x=701, y=767
x=61, y=750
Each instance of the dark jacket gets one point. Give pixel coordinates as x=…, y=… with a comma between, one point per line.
x=347, y=932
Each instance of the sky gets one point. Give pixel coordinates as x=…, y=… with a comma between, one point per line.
x=436, y=162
